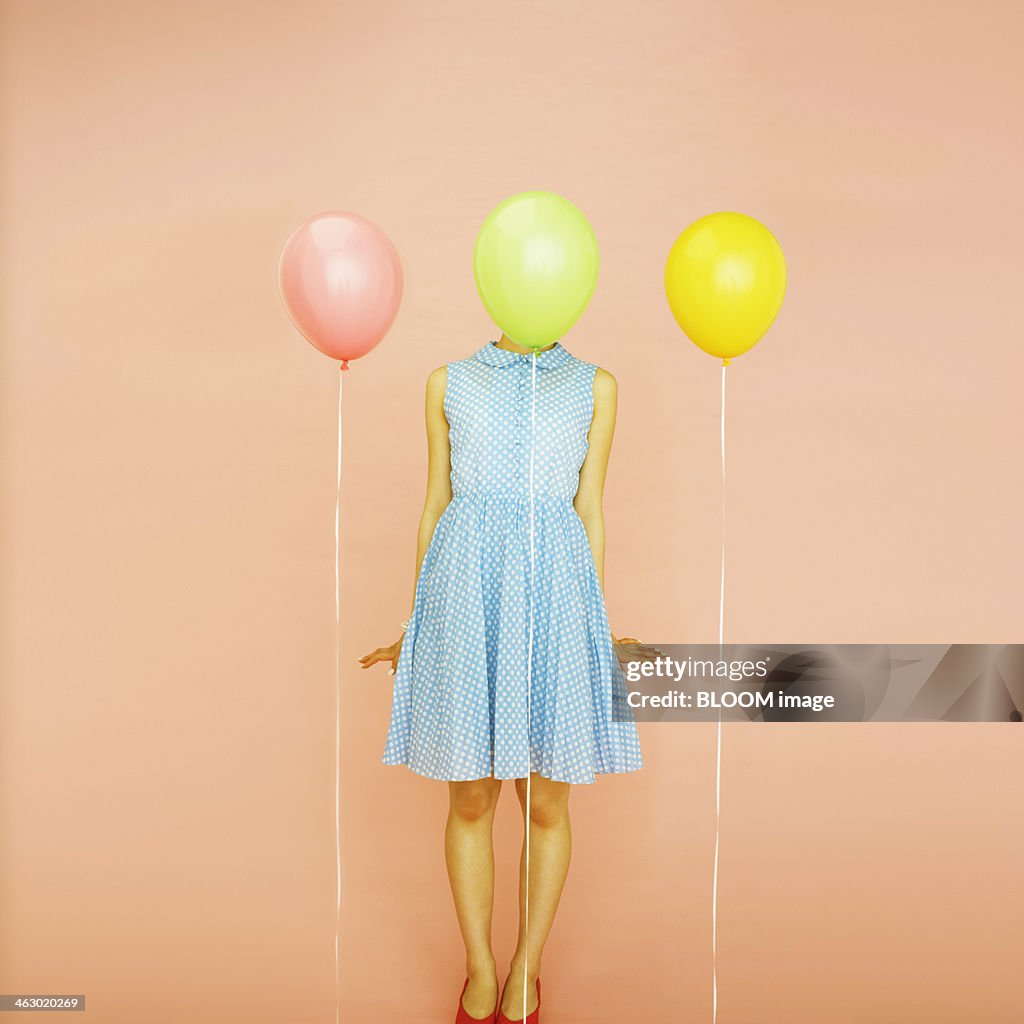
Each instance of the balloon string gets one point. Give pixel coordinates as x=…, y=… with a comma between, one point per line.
x=337, y=721
x=718, y=741
x=529, y=675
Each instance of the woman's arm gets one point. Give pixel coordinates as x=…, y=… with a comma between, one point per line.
x=588, y=500
x=439, y=466
x=439, y=494
x=589, y=495
x=591, y=492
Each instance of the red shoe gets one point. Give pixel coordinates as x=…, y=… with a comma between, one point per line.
x=462, y=1017
x=533, y=1018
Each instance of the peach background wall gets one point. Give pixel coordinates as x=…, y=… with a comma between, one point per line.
x=168, y=460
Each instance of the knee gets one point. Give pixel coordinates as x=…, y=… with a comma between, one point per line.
x=471, y=801
x=547, y=812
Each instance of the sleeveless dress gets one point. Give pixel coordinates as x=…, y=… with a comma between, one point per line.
x=459, y=710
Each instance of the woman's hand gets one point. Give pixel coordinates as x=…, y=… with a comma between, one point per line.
x=636, y=652
x=384, y=654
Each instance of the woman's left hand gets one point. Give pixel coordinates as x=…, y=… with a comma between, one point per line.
x=636, y=650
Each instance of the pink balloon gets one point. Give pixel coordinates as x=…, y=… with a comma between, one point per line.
x=341, y=281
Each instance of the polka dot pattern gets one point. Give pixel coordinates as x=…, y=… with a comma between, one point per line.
x=459, y=710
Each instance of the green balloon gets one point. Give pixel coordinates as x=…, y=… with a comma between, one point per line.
x=535, y=262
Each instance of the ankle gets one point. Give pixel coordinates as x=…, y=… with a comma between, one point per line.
x=519, y=966
x=481, y=968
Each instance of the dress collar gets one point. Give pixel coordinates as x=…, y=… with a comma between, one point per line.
x=494, y=356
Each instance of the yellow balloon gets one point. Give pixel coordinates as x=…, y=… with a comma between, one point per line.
x=725, y=279
x=535, y=262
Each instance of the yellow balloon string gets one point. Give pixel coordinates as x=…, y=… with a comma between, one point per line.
x=529, y=677
x=718, y=742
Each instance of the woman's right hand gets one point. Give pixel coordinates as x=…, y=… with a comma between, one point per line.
x=384, y=654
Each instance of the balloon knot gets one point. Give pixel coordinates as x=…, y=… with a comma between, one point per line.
x=344, y=364
x=725, y=362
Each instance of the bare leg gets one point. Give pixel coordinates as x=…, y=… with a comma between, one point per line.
x=550, y=850
x=469, y=855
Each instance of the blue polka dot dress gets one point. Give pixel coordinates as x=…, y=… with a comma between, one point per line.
x=460, y=708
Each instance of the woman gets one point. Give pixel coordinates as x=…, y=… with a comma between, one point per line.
x=510, y=573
